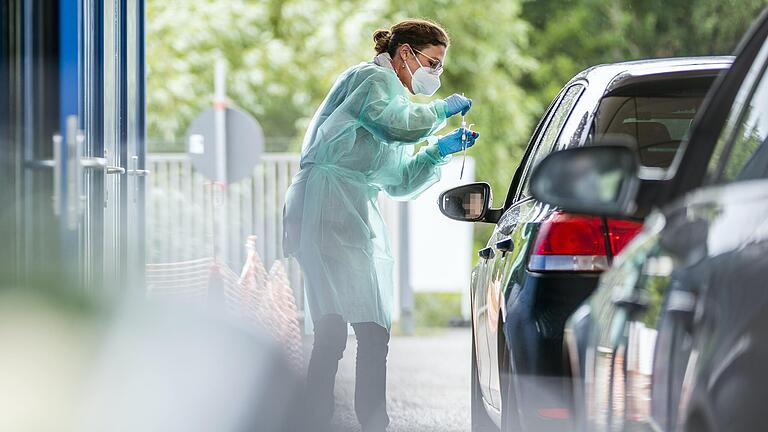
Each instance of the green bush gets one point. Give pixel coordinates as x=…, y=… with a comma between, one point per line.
x=436, y=309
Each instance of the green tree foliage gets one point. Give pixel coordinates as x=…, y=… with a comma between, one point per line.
x=282, y=55
x=568, y=36
x=510, y=56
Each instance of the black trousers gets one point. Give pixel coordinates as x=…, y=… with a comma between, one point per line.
x=370, y=370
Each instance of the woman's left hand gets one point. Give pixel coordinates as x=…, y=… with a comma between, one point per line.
x=453, y=143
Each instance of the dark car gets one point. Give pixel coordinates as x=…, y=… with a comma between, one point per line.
x=541, y=262
x=676, y=335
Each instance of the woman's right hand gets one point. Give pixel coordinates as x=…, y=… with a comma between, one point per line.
x=457, y=103
x=453, y=143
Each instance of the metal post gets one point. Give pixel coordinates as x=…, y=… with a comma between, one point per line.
x=406, y=291
x=220, y=120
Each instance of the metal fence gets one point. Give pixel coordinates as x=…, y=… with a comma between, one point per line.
x=180, y=223
x=180, y=208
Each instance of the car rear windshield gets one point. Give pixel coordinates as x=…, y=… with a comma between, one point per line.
x=653, y=116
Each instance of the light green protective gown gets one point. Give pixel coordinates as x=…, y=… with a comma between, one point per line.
x=360, y=142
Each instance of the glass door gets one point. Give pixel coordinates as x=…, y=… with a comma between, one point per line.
x=136, y=160
x=114, y=141
x=75, y=149
x=123, y=132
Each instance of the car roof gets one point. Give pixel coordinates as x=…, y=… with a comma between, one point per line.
x=604, y=78
x=613, y=75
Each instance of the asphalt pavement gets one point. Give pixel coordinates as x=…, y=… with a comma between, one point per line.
x=427, y=383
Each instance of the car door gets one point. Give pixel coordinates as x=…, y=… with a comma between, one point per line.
x=707, y=259
x=481, y=271
x=651, y=342
x=507, y=244
x=723, y=278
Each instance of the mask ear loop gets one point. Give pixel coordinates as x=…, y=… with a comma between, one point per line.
x=405, y=61
x=405, y=66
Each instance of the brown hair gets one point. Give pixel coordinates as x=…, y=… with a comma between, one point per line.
x=418, y=33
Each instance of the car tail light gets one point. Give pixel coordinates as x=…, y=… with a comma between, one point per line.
x=621, y=232
x=567, y=242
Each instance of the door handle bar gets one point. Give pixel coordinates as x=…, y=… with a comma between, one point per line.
x=72, y=147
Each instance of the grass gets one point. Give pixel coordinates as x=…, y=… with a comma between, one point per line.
x=433, y=313
x=436, y=309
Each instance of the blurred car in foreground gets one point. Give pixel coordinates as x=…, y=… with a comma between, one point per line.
x=72, y=364
x=676, y=335
x=541, y=262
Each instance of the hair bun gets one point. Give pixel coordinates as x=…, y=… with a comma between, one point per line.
x=382, y=38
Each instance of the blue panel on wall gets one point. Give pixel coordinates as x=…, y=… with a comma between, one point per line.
x=68, y=50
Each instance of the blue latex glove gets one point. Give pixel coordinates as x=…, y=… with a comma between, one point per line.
x=451, y=143
x=457, y=103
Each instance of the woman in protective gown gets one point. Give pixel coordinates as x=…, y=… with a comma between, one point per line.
x=361, y=142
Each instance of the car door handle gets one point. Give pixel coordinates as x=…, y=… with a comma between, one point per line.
x=505, y=245
x=631, y=302
x=681, y=301
x=682, y=304
x=486, y=253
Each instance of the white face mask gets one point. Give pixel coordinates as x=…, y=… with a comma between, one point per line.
x=423, y=81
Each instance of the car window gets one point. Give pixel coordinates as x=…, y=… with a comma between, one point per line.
x=550, y=134
x=514, y=185
x=741, y=152
x=653, y=121
x=748, y=158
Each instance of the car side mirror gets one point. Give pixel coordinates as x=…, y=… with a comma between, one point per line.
x=469, y=203
x=599, y=180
